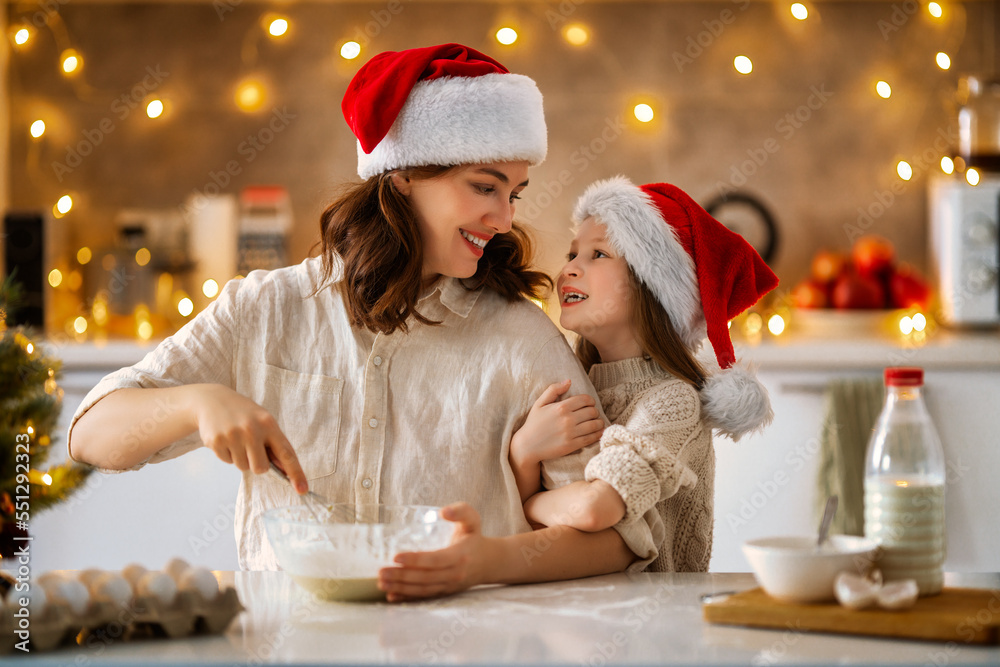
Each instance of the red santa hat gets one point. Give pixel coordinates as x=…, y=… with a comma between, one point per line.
x=445, y=105
x=702, y=274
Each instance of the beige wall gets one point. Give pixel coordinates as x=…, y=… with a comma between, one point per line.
x=804, y=132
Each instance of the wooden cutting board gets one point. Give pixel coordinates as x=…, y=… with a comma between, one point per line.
x=961, y=615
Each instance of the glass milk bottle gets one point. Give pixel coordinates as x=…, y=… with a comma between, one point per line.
x=904, y=485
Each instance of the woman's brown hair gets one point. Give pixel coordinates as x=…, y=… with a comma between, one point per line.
x=655, y=334
x=373, y=229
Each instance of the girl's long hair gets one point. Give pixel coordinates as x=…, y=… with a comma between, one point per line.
x=655, y=334
x=373, y=229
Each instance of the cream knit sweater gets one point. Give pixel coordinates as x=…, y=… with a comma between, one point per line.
x=658, y=455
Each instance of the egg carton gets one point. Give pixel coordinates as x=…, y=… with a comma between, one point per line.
x=144, y=617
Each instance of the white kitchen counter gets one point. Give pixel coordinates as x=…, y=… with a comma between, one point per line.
x=615, y=619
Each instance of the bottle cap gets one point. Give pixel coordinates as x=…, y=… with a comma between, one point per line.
x=904, y=377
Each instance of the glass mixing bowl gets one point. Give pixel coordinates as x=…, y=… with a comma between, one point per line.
x=339, y=558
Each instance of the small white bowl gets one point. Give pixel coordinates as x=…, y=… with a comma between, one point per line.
x=793, y=569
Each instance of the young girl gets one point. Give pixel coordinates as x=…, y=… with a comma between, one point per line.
x=395, y=367
x=650, y=273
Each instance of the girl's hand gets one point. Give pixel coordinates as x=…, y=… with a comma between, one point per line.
x=461, y=565
x=241, y=432
x=556, y=427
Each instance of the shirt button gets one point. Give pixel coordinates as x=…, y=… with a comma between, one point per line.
x=377, y=361
x=367, y=483
x=373, y=422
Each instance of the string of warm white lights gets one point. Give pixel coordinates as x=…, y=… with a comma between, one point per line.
x=250, y=94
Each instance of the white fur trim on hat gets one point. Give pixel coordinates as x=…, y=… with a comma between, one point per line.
x=650, y=246
x=735, y=402
x=463, y=120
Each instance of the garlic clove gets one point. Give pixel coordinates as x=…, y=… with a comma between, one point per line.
x=201, y=581
x=898, y=594
x=159, y=585
x=111, y=587
x=854, y=591
x=176, y=567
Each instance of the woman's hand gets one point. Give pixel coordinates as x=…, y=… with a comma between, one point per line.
x=556, y=427
x=241, y=432
x=461, y=565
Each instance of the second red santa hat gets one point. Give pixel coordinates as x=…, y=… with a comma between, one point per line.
x=702, y=274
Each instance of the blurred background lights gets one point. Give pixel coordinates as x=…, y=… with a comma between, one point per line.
x=947, y=165
x=22, y=36
x=47, y=479
x=55, y=277
x=972, y=176
x=142, y=256
x=576, y=34
x=743, y=64
x=943, y=60
x=80, y=324
x=919, y=322
x=210, y=288
x=350, y=50
x=643, y=112
x=506, y=36
x=799, y=11
x=776, y=324
x=278, y=27
x=84, y=255
x=185, y=306
x=154, y=109
x=64, y=205
x=906, y=325
x=38, y=128
x=753, y=324
x=71, y=61
x=144, y=330
x=904, y=170
x=250, y=95
x=934, y=9
x=883, y=89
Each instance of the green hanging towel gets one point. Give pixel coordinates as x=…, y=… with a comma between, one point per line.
x=852, y=407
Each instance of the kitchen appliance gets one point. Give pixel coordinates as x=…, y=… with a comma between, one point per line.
x=965, y=253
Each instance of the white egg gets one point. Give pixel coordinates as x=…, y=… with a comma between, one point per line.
x=38, y=600
x=71, y=592
x=854, y=591
x=176, y=567
x=201, y=581
x=111, y=587
x=898, y=594
x=87, y=577
x=133, y=573
x=158, y=584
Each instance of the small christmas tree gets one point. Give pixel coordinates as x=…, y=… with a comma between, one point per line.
x=30, y=401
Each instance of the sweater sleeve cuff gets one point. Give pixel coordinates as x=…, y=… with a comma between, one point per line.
x=629, y=475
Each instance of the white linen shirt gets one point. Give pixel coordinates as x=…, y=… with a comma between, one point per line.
x=424, y=417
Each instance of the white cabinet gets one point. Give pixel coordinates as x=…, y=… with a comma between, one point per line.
x=767, y=484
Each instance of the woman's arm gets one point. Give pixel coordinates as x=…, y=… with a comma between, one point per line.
x=128, y=426
x=549, y=554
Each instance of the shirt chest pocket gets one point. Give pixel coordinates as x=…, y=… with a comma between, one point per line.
x=307, y=408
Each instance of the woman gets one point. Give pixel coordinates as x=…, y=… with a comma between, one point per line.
x=400, y=362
